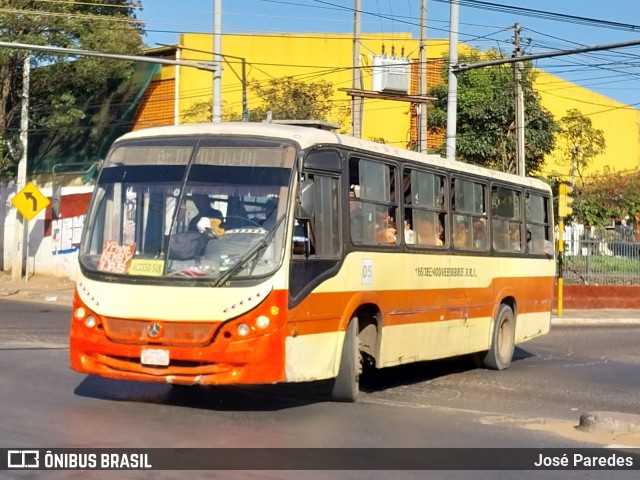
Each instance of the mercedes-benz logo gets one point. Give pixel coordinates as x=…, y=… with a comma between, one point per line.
x=154, y=330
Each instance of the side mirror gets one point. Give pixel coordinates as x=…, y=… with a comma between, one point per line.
x=301, y=246
x=306, y=200
x=56, y=196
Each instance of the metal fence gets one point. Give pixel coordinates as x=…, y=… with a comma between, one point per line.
x=609, y=257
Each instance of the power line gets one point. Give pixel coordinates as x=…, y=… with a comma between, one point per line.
x=557, y=53
x=546, y=15
x=90, y=4
x=64, y=14
x=90, y=53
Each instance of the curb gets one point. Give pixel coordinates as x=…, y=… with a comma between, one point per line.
x=609, y=422
x=65, y=297
x=8, y=292
x=61, y=298
x=594, y=321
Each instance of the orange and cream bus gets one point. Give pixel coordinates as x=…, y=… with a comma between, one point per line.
x=241, y=253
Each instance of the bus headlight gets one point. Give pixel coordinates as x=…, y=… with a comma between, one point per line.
x=80, y=313
x=262, y=321
x=243, y=329
x=90, y=321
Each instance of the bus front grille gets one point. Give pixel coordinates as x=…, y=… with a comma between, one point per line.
x=159, y=332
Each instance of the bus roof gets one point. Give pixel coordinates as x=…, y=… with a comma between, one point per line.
x=307, y=137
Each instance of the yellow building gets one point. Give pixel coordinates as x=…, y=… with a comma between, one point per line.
x=619, y=122
x=314, y=57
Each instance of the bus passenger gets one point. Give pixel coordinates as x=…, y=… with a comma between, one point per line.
x=203, y=204
x=355, y=217
x=409, y=235
x=440, y=225
x=385, y=227
x=427, y=233
x=391, y=231
x=514, y=238
x=480, y=233
x=547, y=247
x=461, y=233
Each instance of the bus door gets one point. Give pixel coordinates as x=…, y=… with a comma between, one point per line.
x=317, y=235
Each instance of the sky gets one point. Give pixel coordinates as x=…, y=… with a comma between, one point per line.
x=546, y=25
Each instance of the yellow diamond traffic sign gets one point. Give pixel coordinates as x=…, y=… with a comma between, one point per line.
x=29, y=201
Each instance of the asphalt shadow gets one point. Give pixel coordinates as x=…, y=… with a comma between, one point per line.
x=272, y=397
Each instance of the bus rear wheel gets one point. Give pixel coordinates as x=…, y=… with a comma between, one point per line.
x=503, y=343
x=346, y=385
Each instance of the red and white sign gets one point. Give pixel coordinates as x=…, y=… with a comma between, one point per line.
x=116, y=258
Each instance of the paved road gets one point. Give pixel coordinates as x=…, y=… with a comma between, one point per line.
x=535, y=403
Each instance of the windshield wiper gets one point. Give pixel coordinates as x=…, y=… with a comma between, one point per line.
x=257, y=248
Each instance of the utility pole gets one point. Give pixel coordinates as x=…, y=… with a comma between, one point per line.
x=452, y=93
x=20, y=233
x=422, y=117
x=216, y=116
x=21, y=229
x=519, y=102
x=574, y=159
x=245, y=103
x=356, y=101
x=242, y=77
x=358, y=94
x=176, y=90
x=455, y=68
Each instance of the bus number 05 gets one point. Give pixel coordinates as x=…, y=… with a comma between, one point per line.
x=367, y=272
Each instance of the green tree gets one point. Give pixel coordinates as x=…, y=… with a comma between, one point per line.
x=61, y=87
x=486, y=116
x=579, y=141
x=610, y=196
x=200, y=111
x=286, y=98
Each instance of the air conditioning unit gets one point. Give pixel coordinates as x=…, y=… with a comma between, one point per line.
x=390, y=74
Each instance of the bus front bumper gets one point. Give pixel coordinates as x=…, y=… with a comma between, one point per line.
x=254, y=360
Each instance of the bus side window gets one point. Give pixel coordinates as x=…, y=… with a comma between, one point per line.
x=539, y=234
x=373, y=206
x=507, y=219
x=425, y=210
x=468, y=202
x=320, y=235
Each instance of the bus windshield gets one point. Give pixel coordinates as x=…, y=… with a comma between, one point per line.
x=196, y=208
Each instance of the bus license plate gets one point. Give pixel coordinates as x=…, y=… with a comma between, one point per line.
x=154, y=356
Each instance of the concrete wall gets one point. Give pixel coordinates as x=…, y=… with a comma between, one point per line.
x=599, y=296
x=52, y=244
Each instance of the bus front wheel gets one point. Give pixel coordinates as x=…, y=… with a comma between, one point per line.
x=347, y=384
x=503, y=343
